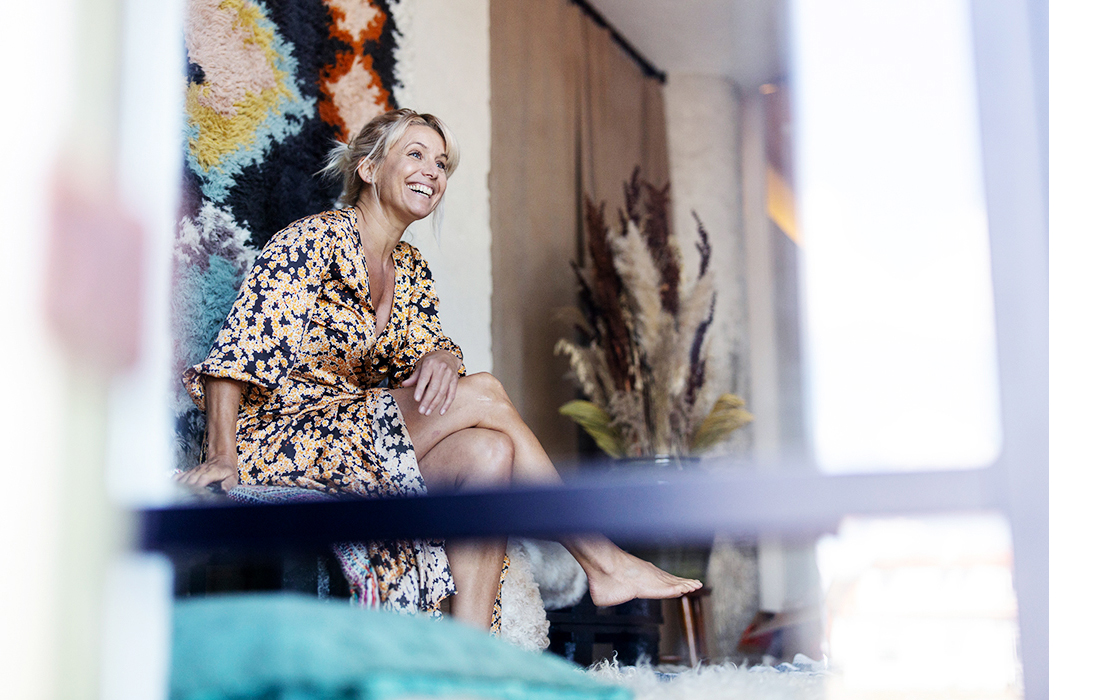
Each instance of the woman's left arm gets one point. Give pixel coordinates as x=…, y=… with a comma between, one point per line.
x=429, y=360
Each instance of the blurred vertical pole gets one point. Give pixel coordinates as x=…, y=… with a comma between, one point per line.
x=37, y=93
x=137, y=603
x=1014, y=154
x=90, y=305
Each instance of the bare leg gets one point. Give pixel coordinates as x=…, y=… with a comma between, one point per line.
x=481, y=402
x=471, y=458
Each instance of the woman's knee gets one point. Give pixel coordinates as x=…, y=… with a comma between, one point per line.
x=486, y=386
x=485, y=392
x=491, y=459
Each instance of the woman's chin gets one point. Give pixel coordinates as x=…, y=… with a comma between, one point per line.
x=420, y=209
x=425, y=213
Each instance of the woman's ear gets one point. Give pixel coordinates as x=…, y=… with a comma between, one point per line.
x=366, y=170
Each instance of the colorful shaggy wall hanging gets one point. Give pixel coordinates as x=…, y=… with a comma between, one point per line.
x=270, y=86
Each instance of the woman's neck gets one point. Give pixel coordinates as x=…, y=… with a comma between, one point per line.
x=380, y=235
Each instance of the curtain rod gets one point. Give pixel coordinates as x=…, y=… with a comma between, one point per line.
x=648, y=68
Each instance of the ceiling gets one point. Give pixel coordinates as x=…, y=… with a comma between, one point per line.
x=742, y=40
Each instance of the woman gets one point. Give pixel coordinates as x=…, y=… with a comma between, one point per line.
x=332, y=367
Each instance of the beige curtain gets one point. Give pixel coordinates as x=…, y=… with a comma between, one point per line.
x=573, y=114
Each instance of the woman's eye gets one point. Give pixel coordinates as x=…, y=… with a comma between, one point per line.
x=441, y=165
x=415, y=154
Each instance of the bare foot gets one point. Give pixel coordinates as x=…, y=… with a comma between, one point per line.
x=627, y=577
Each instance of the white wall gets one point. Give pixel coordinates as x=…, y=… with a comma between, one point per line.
x=443, y=63
x=703, y=119
x=717, y=167
x=702, y=116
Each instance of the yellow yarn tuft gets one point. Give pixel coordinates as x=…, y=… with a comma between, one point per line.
x=219, y=135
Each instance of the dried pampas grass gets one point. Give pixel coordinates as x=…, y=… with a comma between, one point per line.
x=641, y=352
x=728, y=415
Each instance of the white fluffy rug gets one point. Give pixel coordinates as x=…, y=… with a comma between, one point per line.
x=560, y=578
x=538, y=565
x=523, y=619
x=543, y=576
x=805, y=679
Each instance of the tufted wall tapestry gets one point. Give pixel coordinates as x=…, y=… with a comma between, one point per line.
x=269, y=87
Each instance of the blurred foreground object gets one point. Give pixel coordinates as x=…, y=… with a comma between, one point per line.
x=93, y=279
x=93, y=299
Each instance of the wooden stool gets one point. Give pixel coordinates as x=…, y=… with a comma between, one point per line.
x=691, y=618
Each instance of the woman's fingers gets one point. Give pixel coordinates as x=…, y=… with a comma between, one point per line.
x=430, y=372
x=209, y=473
x=451, y=392
x=439, y=393
x=413, y=378
x=437, y=380
x=191, y=476
x=227, y=479
x=446, y=390
x=430, y=383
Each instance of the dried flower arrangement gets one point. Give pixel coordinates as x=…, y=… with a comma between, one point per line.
x=641, y=354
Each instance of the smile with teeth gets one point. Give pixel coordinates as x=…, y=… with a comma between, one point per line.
x=421, y=189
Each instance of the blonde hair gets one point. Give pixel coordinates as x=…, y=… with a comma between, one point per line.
x=373, y=144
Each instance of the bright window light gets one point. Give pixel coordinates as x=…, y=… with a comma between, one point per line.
x=898, y=310
x=921, y=608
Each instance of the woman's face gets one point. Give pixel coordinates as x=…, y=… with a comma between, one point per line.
x=411, y=180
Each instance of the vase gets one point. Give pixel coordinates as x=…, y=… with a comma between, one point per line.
x=673, y=462
x=687, y=560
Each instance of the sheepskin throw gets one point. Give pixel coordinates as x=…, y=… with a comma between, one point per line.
x=269, y=86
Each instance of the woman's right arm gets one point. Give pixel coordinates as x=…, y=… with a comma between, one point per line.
x=259, y=341
x=223, y=399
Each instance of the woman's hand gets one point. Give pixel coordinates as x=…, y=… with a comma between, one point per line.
x=218, y=469
x=436, y=381
x=223, y=400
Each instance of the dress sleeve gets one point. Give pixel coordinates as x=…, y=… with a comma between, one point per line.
x=424, y=331
x=259, y=341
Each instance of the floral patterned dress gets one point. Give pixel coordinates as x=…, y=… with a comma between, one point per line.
x=313, y=414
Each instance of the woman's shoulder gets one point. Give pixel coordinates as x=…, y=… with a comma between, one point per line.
x=333, y=219
x=311, y=229
x=407, y=254
x=408, y=257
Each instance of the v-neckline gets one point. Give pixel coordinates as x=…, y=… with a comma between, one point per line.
x=378, y=333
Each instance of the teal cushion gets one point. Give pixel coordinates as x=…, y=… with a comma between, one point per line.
x=282, y=646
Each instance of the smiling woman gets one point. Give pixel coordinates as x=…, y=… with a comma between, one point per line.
x=333, y=373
